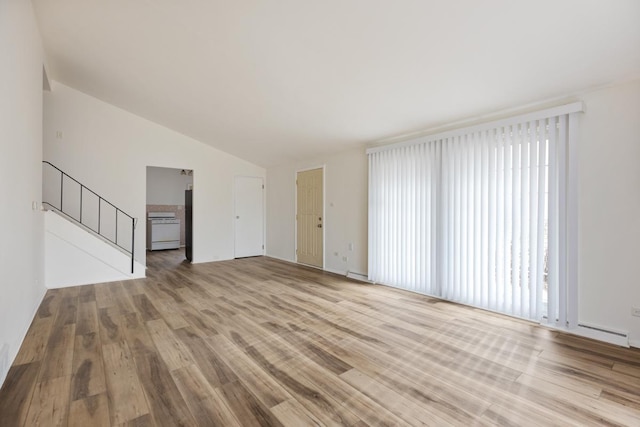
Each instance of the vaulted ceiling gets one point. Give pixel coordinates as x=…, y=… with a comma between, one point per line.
x=273, y=81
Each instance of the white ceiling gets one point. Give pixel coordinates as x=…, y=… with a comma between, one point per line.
x=273, y=81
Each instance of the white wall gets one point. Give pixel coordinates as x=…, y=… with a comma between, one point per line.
x=74, y=256
x=609, y=208
x=109, y=149
x=345, y=210
x=166, y=186
x=21, y=251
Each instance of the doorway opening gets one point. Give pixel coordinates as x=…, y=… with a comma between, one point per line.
x=169, y=215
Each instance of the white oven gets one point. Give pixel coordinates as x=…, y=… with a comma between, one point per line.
x=163, y=231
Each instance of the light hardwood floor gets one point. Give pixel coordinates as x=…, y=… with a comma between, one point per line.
x=262, y=342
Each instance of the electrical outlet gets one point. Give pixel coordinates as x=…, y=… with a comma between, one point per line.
x=351, y=246
x=635, y=311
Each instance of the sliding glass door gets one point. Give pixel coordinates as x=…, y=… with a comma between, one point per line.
x=477, y=216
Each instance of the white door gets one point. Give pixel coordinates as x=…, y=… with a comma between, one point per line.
x=309, y=245
x=249, y=216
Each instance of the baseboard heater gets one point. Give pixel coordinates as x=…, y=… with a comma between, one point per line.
x=358, y=276
x=601, y=334
x=595, y=328
x=595, y=332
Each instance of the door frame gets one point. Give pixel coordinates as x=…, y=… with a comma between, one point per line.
x=324, y=213
x=144, y=222
x=264, y=212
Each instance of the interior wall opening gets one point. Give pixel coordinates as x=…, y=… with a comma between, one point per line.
x=168, y=213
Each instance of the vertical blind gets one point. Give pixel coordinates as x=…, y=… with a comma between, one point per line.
x=481, y=216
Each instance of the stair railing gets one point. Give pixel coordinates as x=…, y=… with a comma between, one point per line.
x=96, y=220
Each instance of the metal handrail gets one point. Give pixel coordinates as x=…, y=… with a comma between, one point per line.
x=101, y=199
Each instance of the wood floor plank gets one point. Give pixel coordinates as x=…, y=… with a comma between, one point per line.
x=50, y=403
x=58, y=360
x=201, y=324
x=165, y=401
x=16, y=393
x=319, y=392
x=50, y=303
x=91, y=411
x=216, y=370
x=104, y=297
x=174, y=353
x=59, y=350
x=126, y=397
x=259, y=341
x=124, y=301
x=292, y=413
x=595, y=373
x=208, y=406
x=35, y=343
x=135, y=286
x=141, y=421
x=145, y=307
x=87, y=294
x=88, y=373
x=135, y=333
x=193, y=299
x=170, y=313
x=312, y=351
x=192, y=383
x=109, y=325
x=166, y=290
x=354, y=405
x=519, y=358
x=392, y=401
x=630, y=400
x=243, y=332
x=437, y=395
x=627, y=369
x=248, y=410
x=87, y=318
x=597, y=409
x=266, y=388
x=505, y=415
x=591, y=350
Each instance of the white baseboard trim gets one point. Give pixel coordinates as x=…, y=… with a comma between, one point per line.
x=350, y=274
x=299, y=263
x=280, y=258
x=359, y=276
x=634, y=343
x=339, y=273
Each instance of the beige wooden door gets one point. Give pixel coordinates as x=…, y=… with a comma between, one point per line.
x=309, y=217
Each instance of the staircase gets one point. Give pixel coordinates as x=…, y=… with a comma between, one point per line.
x=88, y=239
